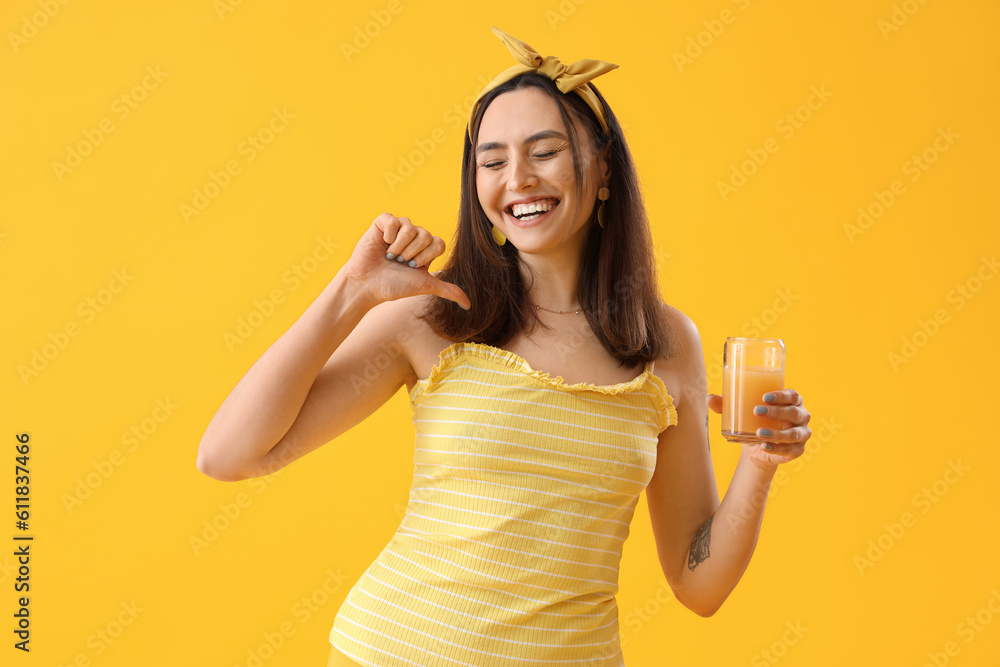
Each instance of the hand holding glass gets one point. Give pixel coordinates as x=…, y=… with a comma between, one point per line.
x=751, y=367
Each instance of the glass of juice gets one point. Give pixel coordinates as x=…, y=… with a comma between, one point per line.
x=751, y=367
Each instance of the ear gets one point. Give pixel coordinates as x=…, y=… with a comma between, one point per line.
x=605, y=160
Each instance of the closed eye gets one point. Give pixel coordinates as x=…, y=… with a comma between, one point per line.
x=490, y=165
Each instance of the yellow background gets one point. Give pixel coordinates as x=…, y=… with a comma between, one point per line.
x=309, y=531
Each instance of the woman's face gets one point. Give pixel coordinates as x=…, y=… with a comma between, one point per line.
x=523, y=156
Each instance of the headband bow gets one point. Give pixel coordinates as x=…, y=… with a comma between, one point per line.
x=573, y=77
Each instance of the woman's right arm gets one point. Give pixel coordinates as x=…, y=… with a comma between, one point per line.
x=320, y=378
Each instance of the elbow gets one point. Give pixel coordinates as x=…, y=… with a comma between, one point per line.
x=698, y=607
x=211, y=467
x=694, y=604
x=705, y=612
x=701, y=609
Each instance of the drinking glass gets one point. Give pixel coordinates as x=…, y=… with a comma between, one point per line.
x=751, y=367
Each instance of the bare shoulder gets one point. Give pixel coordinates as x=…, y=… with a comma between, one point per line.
x=426, y=344
x=685, y=332
x=420, y=344
x=686, y=368
x=400, y=321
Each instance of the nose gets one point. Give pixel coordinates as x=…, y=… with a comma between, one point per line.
x=520, y=174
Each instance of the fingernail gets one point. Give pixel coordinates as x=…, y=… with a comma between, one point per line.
x=770, y=398
x=768, y=446
x=764, y=432
x=390, y=255
x=400, y=259
x=412, y=263
x=760, y=410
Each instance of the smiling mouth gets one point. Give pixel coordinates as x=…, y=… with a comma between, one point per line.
x=527, y=217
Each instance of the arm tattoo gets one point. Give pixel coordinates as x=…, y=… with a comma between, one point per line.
x=699, y=545
x=708, y=438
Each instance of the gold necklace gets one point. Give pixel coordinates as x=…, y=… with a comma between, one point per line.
x=560, y=312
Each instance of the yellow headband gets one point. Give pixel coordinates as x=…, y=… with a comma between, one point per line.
x=567, y=77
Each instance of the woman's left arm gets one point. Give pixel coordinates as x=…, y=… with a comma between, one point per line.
x=704, y=546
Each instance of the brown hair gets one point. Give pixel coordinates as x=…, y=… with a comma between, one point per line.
x=618, y=273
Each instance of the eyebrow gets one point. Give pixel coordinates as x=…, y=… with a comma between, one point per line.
x=537, y=136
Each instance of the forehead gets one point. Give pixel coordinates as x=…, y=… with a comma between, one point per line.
x=519, y=113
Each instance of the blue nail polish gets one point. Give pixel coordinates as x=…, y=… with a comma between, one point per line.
x=412, y=263
x=764, y=433
x=760, y=410
x=390, y=255
x=400, y=259
x=768, y=446
x=770, y=398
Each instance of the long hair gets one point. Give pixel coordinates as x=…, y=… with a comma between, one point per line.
x=617, y=280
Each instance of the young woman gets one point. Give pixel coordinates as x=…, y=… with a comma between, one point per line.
x=550, y=386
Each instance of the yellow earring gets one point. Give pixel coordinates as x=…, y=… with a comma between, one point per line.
x=603, y=194
x=498, y=236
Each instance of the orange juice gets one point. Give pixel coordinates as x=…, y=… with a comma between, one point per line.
x=742, y=390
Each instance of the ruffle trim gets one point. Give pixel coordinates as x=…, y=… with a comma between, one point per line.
x=455, y=351
x=664, y=403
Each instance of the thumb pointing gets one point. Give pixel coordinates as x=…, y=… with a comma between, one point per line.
x=450, y=291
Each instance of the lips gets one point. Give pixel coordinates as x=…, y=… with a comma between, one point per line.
x=508, y=210
x=534, y=221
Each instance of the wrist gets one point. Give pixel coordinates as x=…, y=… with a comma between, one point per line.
x=350, y=295
x=763, y=471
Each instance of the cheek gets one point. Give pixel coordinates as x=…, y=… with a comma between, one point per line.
x=562, y=173
x=486, y=189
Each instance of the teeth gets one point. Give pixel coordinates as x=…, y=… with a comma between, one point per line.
x=519, y=210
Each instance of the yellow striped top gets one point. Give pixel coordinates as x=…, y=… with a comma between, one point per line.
x=523, y=490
